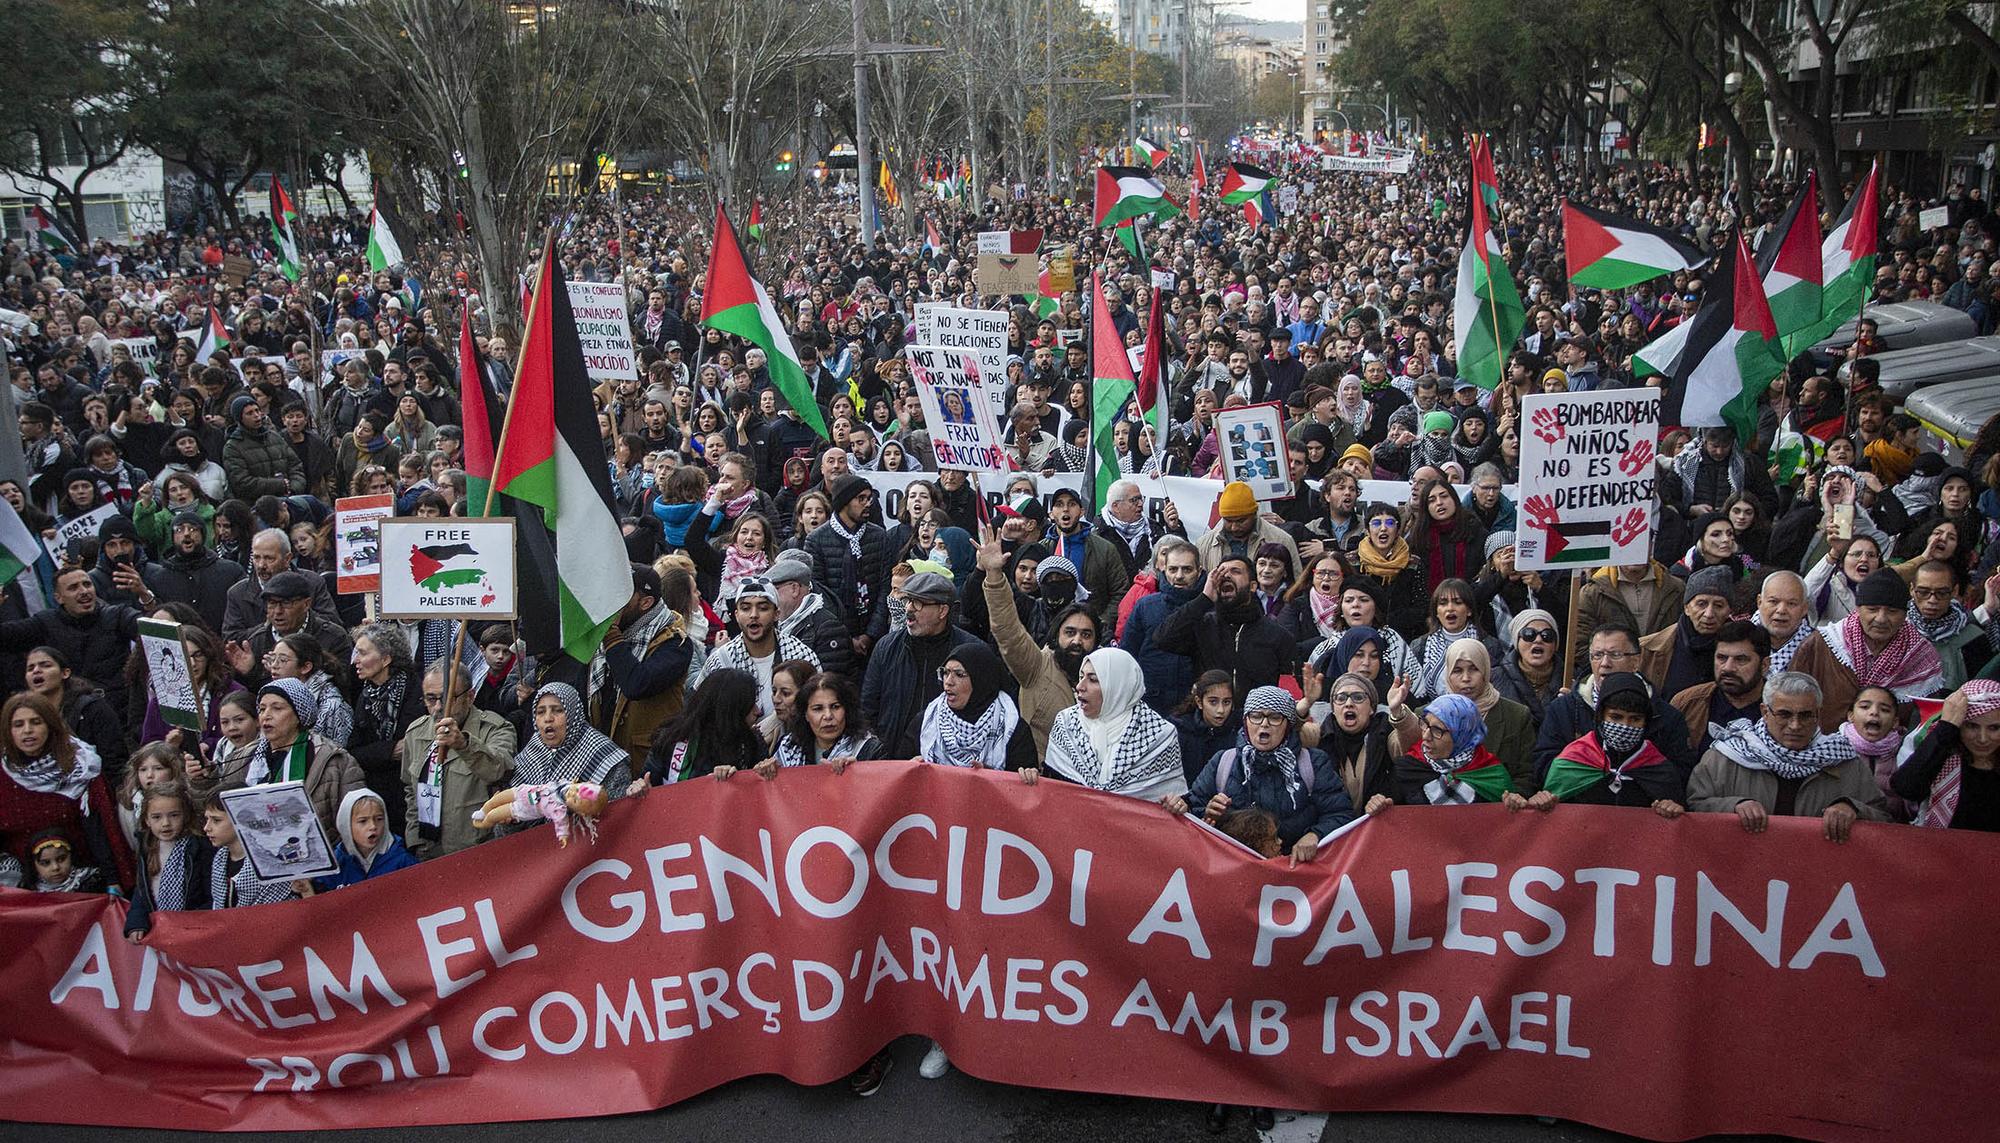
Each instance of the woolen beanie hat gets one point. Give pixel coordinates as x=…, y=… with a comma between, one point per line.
x=237, y=405
x=1361, y=452
x=1717, y=580
x=1055, y=565
x=1236, y=500
x=845, y=490
x=1884, y=588
x=1271, y=700
x=1437, y=421
x=1497, y=540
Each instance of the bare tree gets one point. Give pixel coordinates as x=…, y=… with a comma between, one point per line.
x=512, y=109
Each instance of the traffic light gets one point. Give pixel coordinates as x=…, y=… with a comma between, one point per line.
x=458, y=156
x=784, y=160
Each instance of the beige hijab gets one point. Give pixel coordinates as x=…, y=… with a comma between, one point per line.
x=1473, y=649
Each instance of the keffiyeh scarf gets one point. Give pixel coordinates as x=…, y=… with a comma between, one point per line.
x=790, y=753
x=1431, y=663
x=1781, y=657
x=1982, y=697
x=1284, y=760
x=584, y=755
x=1131, y=535
x=1145, y=762
x=1943, y=628
x=1751, y=746
x=1908, y=667
x=949, y=740
x=45, y=775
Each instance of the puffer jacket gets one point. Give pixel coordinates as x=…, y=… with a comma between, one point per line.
x=261, y=464
x=845, y=578
x=200, y=578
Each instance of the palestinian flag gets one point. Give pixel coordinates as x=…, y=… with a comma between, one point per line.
x=1610, y=252
x=44, y=229
x=1153, y=153
x=1486, y=307
x=1481, y=779
x=434, y=567
x=734, y=302
x=1152, y=379
x=1731, y=356
x=1661, y=356
x=1045, y=302
x=481, y=417
x=1196, y=186
x=1130, y=192
x=1111, y=389
x=552, y=458
x=1847, y=259
x=385, y=250
x=1575, y=543
x=1789, y=265
x=933, y=241
x=284, y=231
x=1128, y=237
x=1250, y=188
x=1484, y=177
x=1583, y=764
x=214, y=336
x=25, y=558
x=756, y=227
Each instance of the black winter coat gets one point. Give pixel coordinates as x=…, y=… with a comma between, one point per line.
x=1254, y=653
x=849, y=581
x=199, y=578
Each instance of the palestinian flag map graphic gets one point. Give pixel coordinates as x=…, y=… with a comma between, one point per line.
x=439, y=568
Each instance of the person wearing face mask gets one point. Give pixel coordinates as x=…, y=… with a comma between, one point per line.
x=1616, y=763
x=1876, y=646
x=1225, y=628
x=1045, y=667
x=1568, y=717
x=1056, y=590
x=1269, y=769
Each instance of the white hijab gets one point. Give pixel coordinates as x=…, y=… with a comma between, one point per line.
x=1124, y=684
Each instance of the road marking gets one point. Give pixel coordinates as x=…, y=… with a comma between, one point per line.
x=1296, y=1127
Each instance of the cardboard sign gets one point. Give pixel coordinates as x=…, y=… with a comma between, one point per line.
x=283, y=839
x=1000, y=274
x=982, y=331
x=1062, y=269
x=450, y=568
x=604, y=327
x=357, y=541
x=236, y=270
x=169, y=674
x=957, y=414
x=1587, y=479
x=1252, y=439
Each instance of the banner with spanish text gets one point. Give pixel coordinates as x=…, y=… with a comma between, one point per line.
x=1663, y=978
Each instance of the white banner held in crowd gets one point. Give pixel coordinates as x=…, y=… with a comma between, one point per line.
x=993, y=486
x=605, y=328
x=982, y=331
x=141, y=349
x=1587, y=479
x=957, y=414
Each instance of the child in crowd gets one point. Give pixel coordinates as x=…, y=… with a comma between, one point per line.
x=56, y=870
x=231, y=882
x=153, y=766
x=1875, y=732
x=367, y=849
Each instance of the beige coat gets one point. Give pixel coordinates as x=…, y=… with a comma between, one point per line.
x=470, y=777
x=1212, y=546
x=1045, y=690
x=1719, y=783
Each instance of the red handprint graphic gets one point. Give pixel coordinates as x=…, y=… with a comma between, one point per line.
x=1636, y=458
x=1629, y=529
x=1548, y=427
x=1542, y=514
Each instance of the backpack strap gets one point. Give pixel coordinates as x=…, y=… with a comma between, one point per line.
x=1223, y=767
x=1306, y=769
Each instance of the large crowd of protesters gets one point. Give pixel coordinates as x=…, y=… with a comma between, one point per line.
x=1295, y=665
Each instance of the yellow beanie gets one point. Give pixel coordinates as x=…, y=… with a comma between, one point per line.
x=1236, y=500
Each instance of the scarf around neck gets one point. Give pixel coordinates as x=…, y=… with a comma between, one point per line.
x=1908, y=667
x=1132, y=534
x=45, y=775
x=1284, y=761
x=1751, y=746
x=1584, y=763
x=1943, y=628
x=948, y=740
x=1375, y=563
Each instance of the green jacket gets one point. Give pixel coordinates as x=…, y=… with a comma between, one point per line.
x=262, y=464
x=155, y=522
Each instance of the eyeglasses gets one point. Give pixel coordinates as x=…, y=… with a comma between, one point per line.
x=951, y=674
x=1791, y=716
x=1930, y=593
x=1612, y=656
x=1348, y=698
x=1265, y=718
x=1541, y=635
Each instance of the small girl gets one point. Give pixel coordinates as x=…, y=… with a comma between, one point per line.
x=1876, y=734
x=155, y=765
x=1206, y=721
x=171, y=858
x=751, y=547
x=54, y=871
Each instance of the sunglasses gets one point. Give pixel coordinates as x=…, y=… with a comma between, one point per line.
x=1538, y=635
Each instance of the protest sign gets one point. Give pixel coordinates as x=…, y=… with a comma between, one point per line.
x=1009, y=241
x=236, y=269
x=448, y=569
x=957, y=414
x=982, y=331
x=82, y=528
x=1288, y=199
x=1001, y=274
x=282, y=837
x=1062, y=270
x=1587, y=479
x=143, y=350
x=1933, y=217
x=357, y=541
x=330, y=361
x=1252, y=441
x=604, y=327
x=169, y=675
x=1459, y=959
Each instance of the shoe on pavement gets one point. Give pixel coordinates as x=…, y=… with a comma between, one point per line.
x=1218, y=1118
x=868, y=1080
x=1263, y=1118
x=935, y=1064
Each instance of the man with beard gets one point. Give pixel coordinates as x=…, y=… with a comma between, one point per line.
x=1047, y=672
x=1101, y=568
x=1169, y=675
x=807, y=615
x=1675, y=658
x=1240, y=530
x=646, y=659
x=759, y=645
x=193, y=574
x=1225, y=629
x=902, y=675
x=1713, y=710
x=1781, y=612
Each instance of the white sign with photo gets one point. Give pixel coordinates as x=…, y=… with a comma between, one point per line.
x=957, y=414
x=982, y=331
x=168, y=672
x=1252, y=442
x=282, y=838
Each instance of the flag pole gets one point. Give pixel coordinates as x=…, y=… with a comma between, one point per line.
x=1492, y=295
x=1566, y=665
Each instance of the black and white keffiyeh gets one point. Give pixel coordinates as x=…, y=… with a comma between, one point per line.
x=1432, y=663
x=170, y=886
x=1751, y=746
x=1128, y=748
x=949, y=740
x=851, y=746
x=1944, y=627
x=45, y=775
x=585, y=754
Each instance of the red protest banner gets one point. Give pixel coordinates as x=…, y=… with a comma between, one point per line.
x=1667, y=979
